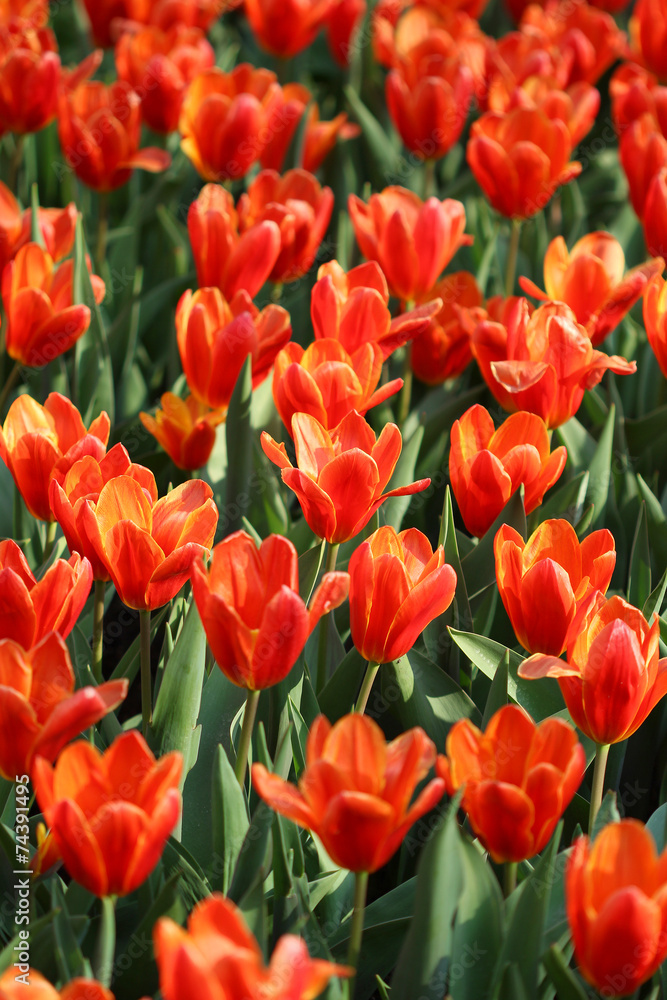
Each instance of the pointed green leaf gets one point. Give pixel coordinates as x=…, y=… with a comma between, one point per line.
x=639, y=581
x=93, y=372
x=229, y=820
x=394, y=510
x=568, y=987
x=497, y=696
x=479, y=567
x=239, y=450
x=600, y=471
x=478, y=928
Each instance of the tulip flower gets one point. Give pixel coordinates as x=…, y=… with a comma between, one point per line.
x=518, y=779
x=353, y=308
x=166, y=14
x=300, y=206
x=398, y=584
x=412, y=241
x=576, y=106
x=542, y=362
x=216, y=927
x=148, y=545
x=100, y=130
x=33, y=608
x=655, y=215
x=643, y=154
x=38, y=441
x=514, y=60
x=342, y=25
x=319, y=137
x=442, y=351
x=77, y=486
x=655, y=319
x=11, y=988
x=159, y=65
x=56, y=225
x=39, y=709
x=612, y=678
x=225, y=120
x=590, y=280
x=215, y=337
x=648, y=32
x=588, y=39
x=103, y=13
x=615, y=904
x=486, y=466
x=285, y=27
x=340, y=474
x=110, y=813
x=544, y=580
x=519, y=159
x=29, y=77
x=36, y=12
x=355, y=791
x=42, y=322
x=185, y=428
x=635, y=92
x=327, y=382
x=248, y=599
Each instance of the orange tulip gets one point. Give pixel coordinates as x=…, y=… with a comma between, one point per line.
x=39, y=710
x=643, y=154
x=612, y=678
x=38, y=441
x=515, y=60
x=103, y=13
x=442, y=351
x=185, y=428
x=615, y=901
x=166, y=14
x=29, y=77
x=544, y=580
x=216, y=927
x=110, y=813
x=300, y=206
x=655, y=216
x=40, y=988
x=319, y=136
x=285, y=27
x=655, y=319
x=327, y=382
x=486, y=466
x=635, y=92
x=648, y=33
x=100, y=130
x=590, y=280
x=159, y=65
x=76, y=486
x=398, y=584
x=412, y=241
x=56, y=225
x=589, y=39
x=148, y=545
x=542, y=362
x=355, y=791
x=353, y=309
x=225, y=120
x=519, y=779
x=215, y=337
x=519, y=159
x=342, y=25
x=577, y=106
x=248, y=599
x=36, y=12
x=341, y=473
x=42, y=322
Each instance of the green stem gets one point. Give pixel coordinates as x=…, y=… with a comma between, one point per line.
x=406, y=392
x=51, y=528
x=509, y=877
x=105, y=946
x=512, y=255
x=15, y=163
x=146, y=692
x=98, y=620
x=249, y=714
x=9, y=385
x=430, y=186
x=366, y=685
x=357, y=929
x=321, y=678
x=102, y=230
x=599, y=768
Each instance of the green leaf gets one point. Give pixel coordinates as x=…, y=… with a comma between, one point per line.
x=229, y=820
x=561, y=975
x=657, y=827
x=479, y=567
x=36, y=234
x=644, y=433
x=310, y=564
x=447, y=539
x=239, y=435
x=497, y=696
x=395, y=509
x=379, y=143
x=254, y=859
x=607, y=813
x=69, y=956
x=478, y=928
x=338, y=696
x=654, y=602
x=600, y=471
x=639, y=581
x=93, y=388
x=566, y=501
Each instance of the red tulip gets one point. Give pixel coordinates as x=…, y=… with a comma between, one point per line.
x=635, y=92
x=515, y=60
x=185, y=428
x=589, y=39
x=166, y=14
x=655, y=319
x=643, y=154
x=11, y=988
x=285, y=27
x=103, y=13
x=648, y=31
x=340, y=474
x=319, y=137
x=36, y=12
x=56, y=225
x=355, y=791
x=543, y=581
x=655, y=216
x=29, y=77
x=518, y=779
x=442, y=351
x=486, y=466
x=344, y=21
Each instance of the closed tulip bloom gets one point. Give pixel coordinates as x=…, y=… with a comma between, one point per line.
x=655, y=215
x=215, y=337
x=577, y=106
x=648, y=34
x=518, y=779
x=590, y=40
x=39, y=709
x=319, y=137
x=57, y=226
x=612, y=678
x=166, y=14
x=248, y=600
x=353, y=308
x=110, y=813
x=486, y=465
x=103, y=13
x=41, y=988
x=542, y=362
x=544, y=580
x=342, y=25
x=36, y=12
x=327, y=382
x=159, y=65
x=412, y=241
x=32, y=608
x=442, y=351
x=36, y=441
x=285, y=27
x=300, y=206
x=590, y=279
x=655, y=319
x=148, y=545
x=635, y=92
x=185, y=428
x=29, y=77
x=355, y=791
x=78, y=485
x=398, y=584
x=616, y=907
x=340, y=474
x=643, y=154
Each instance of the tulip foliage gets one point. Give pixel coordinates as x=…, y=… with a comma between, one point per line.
x=333, y=499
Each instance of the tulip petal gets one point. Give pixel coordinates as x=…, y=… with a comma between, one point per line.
x=282, y=797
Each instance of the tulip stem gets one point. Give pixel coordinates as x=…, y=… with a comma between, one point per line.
x=406, y=392
x=12, y=379
x=512, y=255
x=102, y=230
x=366, y=685
x=321, y=679
x=106, y=942
x=430, y=186
x=509, y=878
x=15, y=163
x=146, y=693
x=51, y=528
x=246, y=735
x=599, y=768
x=357, y=928
x=98, y=621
